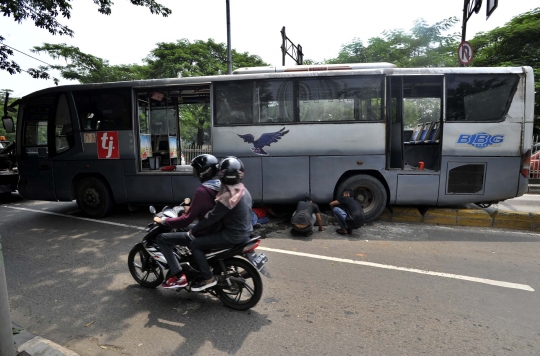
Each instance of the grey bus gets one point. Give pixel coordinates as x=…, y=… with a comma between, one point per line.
x=395, y=136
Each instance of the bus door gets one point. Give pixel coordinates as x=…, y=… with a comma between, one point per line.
x=36, y=146
x=413, y=141
x=481, y=138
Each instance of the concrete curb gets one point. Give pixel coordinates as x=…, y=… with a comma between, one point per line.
x=463, y=217
x=27, y=343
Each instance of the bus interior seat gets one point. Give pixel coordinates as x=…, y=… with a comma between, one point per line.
x=414, y=136
x=433, y=135
x=426, y=130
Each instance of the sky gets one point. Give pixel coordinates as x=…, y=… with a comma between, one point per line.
x=321, y=27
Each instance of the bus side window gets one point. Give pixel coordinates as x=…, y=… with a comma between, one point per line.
x=103, y=110
x=63, y=133
x=37, y=116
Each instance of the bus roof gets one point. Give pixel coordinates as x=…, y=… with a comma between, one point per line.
x=313, y=68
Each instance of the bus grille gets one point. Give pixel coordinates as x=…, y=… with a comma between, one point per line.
x=466, y=179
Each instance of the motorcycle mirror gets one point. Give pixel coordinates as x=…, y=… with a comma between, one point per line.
x=152, y=209
x=187, y=201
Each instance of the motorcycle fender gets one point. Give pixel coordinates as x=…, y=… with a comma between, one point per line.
x=250, y=256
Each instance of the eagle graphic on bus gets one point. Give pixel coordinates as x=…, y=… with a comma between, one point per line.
x=266, y=139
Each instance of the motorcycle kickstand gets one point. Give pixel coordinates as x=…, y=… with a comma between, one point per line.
x=224, y=268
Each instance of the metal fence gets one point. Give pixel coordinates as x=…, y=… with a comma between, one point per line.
x=535, y=159
x=190, y=152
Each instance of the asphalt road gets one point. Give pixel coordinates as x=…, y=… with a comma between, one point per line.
x=391, y=289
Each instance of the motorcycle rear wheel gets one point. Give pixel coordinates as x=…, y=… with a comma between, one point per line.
x=143, y=268
x=246, y=282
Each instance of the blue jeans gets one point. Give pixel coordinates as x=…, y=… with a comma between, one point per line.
x=340, y=215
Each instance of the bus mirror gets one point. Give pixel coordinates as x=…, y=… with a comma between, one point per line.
x=7, y=121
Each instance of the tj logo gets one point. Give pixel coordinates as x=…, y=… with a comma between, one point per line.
x=107, y=143
x=480, y=140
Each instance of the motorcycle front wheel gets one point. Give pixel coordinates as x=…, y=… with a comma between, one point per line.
x=246, y=286
x=143, y=268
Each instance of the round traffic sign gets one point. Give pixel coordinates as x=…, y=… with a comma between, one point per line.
x=465, y=53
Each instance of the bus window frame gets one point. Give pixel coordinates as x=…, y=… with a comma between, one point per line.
x=507, y=106
x=296, y=99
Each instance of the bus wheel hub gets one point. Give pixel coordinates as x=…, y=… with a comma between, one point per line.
x=91, y=197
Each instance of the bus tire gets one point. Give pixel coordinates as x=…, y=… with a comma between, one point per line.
x=94, y=197
x=369, y=192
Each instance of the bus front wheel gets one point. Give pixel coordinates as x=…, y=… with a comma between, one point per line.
x=94, y=197
x=369, y=192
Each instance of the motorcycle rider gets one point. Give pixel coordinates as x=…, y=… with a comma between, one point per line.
x=204, y=168
x=232, y=211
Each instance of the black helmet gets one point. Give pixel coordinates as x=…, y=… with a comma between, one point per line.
x=231, y=171
x=204, y=167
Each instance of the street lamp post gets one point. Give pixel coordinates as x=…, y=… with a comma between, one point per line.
x=229, y=55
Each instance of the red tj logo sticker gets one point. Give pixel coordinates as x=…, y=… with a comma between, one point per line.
x=107, y=145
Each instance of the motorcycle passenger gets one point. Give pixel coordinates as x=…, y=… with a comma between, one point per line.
x=232, y=211
x=205, y=168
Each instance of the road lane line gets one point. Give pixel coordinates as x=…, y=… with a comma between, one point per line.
x=75, y=217
x=321, y=257
x=404, y=269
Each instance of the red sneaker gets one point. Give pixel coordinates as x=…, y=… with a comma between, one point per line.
x=175, y=282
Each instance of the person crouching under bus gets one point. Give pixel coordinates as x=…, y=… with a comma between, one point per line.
x=303, y=219
x=205, y=169
x=232, y=211
x=348, y=212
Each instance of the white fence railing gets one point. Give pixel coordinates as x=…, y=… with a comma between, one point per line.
x=190, y=152
x=535, y=159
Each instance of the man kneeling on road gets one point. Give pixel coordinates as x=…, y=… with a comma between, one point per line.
x=304, y=218
x=348, y=212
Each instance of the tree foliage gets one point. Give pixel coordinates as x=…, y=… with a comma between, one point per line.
x=186, y=59
x=515, y=44
x=423, y=46
x=44, y=14
x=87, y=68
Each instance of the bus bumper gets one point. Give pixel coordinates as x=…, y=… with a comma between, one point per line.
x=523, y=186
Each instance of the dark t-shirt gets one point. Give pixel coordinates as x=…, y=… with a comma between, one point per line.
x=355, y=212
x=304, y=210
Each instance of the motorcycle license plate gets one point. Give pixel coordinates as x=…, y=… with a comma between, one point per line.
x=259, y=260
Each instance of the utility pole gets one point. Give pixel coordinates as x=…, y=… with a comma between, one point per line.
x=229, y=55
x=6, y=333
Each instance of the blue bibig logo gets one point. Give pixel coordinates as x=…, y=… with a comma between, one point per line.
x=480, y=140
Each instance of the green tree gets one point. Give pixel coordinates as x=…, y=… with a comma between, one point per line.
x=44, y=14
x=87, y=68
x=423, y=46
x=186, y=59
x=517, y=43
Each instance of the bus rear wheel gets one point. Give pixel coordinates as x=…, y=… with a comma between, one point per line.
x=369, y=192
x=94, y=197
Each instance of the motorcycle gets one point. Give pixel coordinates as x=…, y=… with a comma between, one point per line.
x=237, y=269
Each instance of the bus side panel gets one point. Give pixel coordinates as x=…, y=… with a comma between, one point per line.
x=326, y=171
x=151, y=188
x=478, y=179
x=285, y=179
x=300, y=140
x=253, y=177
x=417, y=189
x=498, y=139
x=183, y=186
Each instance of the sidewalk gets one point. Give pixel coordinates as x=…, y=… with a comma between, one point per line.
x=27, y=343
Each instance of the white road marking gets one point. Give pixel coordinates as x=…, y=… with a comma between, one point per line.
x=75, y=217
x=396, y=268
x=321, y=257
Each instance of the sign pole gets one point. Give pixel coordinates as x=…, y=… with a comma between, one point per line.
x=6, y=332
x=229, y=55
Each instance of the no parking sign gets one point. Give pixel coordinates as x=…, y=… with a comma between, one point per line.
x=465, y=53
